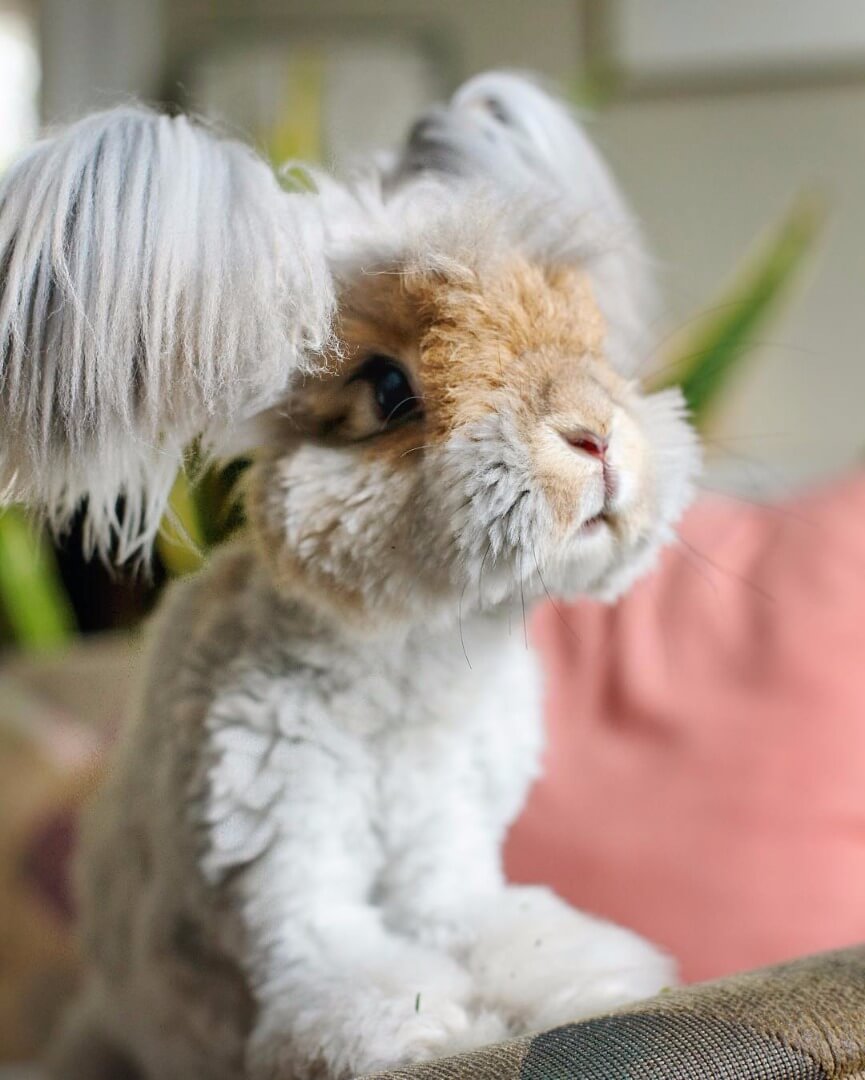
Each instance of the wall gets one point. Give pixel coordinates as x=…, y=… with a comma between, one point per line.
x=707, y=174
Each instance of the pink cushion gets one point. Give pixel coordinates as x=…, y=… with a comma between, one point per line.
x=705, y=776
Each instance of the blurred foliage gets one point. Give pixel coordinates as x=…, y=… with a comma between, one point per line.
x=298, y=134
x=181, y=542
x=205, y=509
x=36, y=611
x=703, y=358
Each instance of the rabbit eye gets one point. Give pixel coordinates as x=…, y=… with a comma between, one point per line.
x=392, y=392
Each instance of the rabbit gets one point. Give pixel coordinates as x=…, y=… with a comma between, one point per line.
x=293, y=867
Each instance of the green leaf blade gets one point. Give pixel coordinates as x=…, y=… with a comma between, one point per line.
x=34, y=601
x=706, y=360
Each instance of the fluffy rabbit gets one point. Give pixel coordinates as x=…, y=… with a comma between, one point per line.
x=293, y=869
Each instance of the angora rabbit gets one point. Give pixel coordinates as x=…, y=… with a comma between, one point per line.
x=294, y=867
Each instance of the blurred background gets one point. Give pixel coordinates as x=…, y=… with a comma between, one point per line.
x=737, y=130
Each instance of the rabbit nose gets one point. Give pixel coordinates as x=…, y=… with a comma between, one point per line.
x=587, y=441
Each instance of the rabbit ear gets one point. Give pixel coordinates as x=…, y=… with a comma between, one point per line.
x=156, y=284
x=503, y=129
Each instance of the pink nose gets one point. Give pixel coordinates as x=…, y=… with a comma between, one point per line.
x=588, y=442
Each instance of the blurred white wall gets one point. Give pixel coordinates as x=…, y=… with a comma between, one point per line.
x=707, y=175
x=98, y=52
x=19, y=79
x=661, y=40
x=726, y=112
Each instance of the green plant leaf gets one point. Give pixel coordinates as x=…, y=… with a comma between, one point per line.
x=204, y=510
x=297, y=133
x=703, y=360
x=34, y=601
x=182, y=540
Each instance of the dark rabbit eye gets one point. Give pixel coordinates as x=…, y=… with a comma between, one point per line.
x=392, y=392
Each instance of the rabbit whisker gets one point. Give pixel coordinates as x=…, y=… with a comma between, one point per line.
x=481, y=575
x=729, y=573
x=460, y=621
x=523, y=603
x=399, y=405
x=562, y=617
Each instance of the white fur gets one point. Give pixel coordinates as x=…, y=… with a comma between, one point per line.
x=294, y=870
x=157, y=284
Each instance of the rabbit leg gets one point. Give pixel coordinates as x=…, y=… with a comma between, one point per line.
x=338, y=992
x=354, y=998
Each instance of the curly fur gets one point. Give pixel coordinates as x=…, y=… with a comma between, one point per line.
x=293, y=870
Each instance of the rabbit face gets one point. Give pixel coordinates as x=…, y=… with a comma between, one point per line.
x=471, y=443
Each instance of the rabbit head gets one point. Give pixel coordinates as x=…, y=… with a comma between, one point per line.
x=470, y=440
x=442, y=351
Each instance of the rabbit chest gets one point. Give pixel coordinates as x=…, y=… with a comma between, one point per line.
x=381, y=748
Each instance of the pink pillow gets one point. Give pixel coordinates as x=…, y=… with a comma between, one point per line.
x=705, y=775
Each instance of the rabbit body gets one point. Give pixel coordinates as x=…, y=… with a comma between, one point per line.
x=294, y=869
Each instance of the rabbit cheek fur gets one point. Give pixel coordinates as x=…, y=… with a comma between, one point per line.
x=343, y=718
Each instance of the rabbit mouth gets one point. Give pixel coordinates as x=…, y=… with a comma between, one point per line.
x=605, y=518
x=594, y=523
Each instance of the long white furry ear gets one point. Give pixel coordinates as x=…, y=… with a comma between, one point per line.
x=504, y=128
x=156, y=284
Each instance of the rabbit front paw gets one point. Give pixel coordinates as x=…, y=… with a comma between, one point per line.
x=540, y=963
x=437, y=1029
x=367, y=1035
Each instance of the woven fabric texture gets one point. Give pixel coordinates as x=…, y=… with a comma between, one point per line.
x=799, y=1021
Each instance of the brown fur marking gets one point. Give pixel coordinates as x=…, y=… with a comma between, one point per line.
x=519, y=330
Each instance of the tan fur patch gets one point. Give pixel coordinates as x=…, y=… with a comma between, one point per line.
x=511, y=331
x=518, y=330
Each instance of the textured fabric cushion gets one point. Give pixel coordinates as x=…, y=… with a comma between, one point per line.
x=705, y=777
x=799, y=1021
